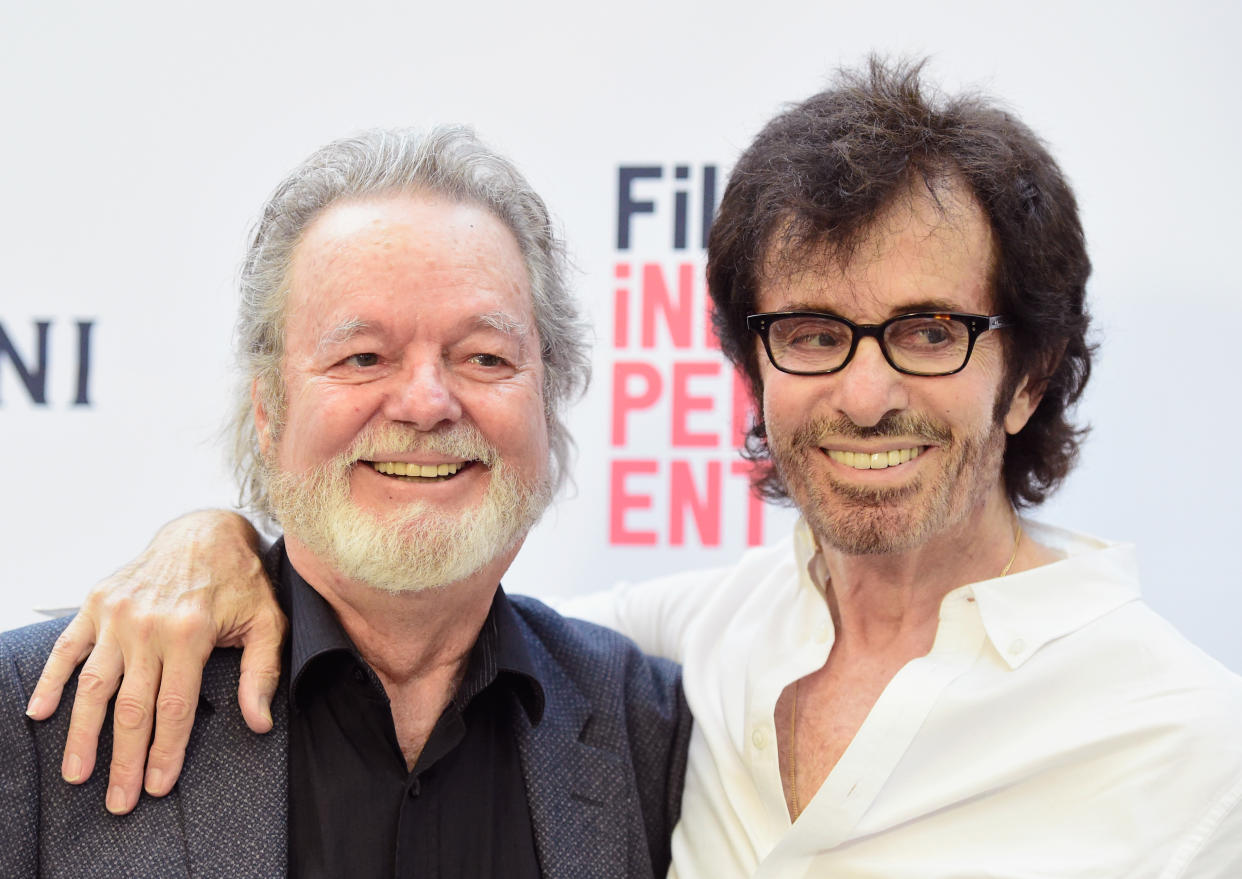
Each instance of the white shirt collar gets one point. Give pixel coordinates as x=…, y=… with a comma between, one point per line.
x=1022, y=612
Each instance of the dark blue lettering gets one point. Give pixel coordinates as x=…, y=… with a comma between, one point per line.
x=35, y=379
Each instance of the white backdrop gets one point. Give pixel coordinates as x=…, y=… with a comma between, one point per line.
x=141, y=139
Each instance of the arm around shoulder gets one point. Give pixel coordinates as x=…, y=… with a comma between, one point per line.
x=21, y=772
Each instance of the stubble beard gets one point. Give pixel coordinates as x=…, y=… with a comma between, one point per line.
x=418, y=547
x=858, y=520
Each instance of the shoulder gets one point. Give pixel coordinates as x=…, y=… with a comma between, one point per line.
x=726, y=584
x=1178, y=673
x=586, y=652
x=580, y=664
x=25, y=650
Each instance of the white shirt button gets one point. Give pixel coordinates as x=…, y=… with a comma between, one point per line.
x=760, y=737
x=1016, y=647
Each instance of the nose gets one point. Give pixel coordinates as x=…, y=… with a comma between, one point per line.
x=422, y=396
x=868, y=388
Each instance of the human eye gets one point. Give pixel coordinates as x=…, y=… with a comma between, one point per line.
x=488, y=360
x=811, y=334
x=925, y=333
x=361, y=360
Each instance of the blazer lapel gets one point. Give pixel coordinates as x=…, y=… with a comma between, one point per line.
x=573, y=788
x=233, y=790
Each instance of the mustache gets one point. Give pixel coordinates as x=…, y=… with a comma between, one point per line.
x=460, y=440
x=892, y=425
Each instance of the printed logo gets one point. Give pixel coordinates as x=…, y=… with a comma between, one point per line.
x=678, y=410
x=25, y=352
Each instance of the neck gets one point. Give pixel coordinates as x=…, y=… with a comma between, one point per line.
x=879, y=601
x=406, y=636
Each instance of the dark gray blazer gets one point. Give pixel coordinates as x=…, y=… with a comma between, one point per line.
x=604, y=770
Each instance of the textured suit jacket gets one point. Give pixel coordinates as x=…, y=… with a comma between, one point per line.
x=604, y=770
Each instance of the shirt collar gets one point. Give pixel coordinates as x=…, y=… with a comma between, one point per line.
x=1022, y=612
x=499, y=652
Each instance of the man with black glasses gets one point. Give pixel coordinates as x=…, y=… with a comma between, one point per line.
x=918, y=682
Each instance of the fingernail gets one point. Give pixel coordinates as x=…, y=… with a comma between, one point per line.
x=116, y=800
x=155, y=782
x=35, y=706
x=72, y=770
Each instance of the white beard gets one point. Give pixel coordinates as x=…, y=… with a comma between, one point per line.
x=418, y=547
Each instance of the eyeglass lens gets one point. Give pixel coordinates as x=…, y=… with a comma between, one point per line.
x=936, y=344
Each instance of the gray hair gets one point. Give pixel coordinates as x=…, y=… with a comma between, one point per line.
x=449, y=161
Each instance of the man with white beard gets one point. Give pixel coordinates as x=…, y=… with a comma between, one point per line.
x=408, y=345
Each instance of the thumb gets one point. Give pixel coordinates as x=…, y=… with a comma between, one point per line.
x=260, y=674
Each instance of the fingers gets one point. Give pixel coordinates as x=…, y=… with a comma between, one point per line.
x=260, y=669
x=74, y=643
x=174, y=716
x=153, y=623
x=169, y=664
x=96, y=683
x=132, y=717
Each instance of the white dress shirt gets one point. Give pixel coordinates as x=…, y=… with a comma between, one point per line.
x=1057, y=728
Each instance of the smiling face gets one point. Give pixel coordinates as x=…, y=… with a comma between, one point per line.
x=877, y=461
x=413, y=426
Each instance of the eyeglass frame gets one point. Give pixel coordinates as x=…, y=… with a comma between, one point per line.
x=976, y=325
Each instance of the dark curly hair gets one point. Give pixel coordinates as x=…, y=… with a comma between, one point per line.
x=821, y=173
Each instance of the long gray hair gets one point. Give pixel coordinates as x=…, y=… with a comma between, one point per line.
x=449, y=161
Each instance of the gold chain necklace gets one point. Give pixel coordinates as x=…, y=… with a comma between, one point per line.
x=791, y=756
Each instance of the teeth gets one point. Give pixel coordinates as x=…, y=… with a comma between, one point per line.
x=874, y=461
x=425, y=471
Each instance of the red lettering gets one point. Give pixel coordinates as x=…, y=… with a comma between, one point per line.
x=684, y=403
x=623, y=500
x=683, y=498
x=656, y=298
x=624, y=400
x=621, y=309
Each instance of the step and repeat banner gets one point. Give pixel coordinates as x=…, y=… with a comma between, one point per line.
x=142, y=138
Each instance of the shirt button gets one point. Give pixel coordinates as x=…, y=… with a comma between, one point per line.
x=360, y=676
x=760, y=737
x=1016, y=647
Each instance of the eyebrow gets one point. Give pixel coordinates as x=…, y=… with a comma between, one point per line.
x=342, y=332
x=937, y=306
x=516, y=329
x=503, y=322
x=495, y=320
x=933, y=305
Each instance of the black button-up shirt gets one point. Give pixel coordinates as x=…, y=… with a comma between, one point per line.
x=354, y=809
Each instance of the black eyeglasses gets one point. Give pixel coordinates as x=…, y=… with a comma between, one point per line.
x=926, y=343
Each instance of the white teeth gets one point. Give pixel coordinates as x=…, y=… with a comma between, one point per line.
x=874, y=460
x=425, y=471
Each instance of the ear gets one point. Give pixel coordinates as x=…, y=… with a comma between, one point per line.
x=1023, y=404
x=262, y=422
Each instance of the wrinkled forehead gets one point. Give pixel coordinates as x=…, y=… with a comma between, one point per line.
x=932, y=242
